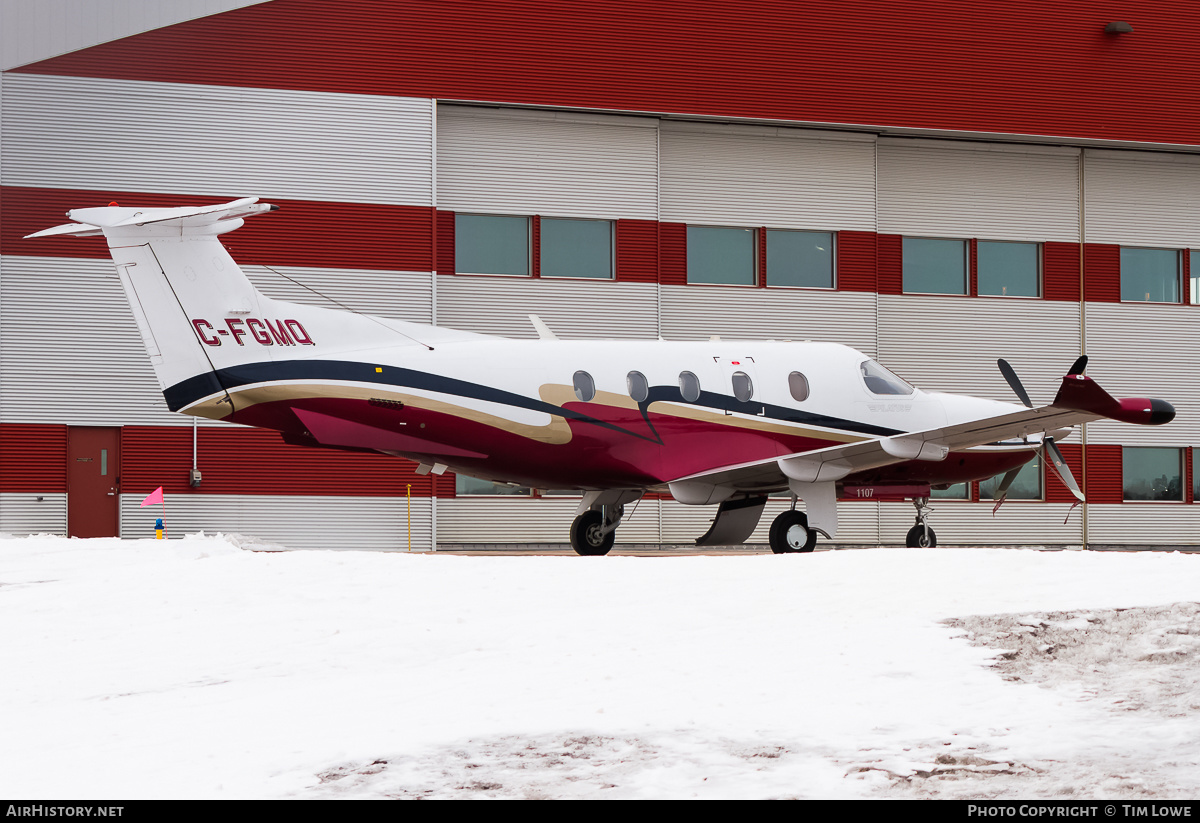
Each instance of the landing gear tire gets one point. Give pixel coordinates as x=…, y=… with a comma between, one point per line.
x=916, y=538
x=587, y=538
x=790, y=533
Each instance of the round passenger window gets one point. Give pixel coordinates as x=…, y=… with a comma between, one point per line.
x=798, y=385
x=639, y=387
x=743, y=386
x=689, y=386
x=585, y=386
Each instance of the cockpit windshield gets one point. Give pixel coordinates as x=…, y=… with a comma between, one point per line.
x=881, y=381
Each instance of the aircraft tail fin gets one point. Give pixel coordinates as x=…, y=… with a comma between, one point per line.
x=200, y=317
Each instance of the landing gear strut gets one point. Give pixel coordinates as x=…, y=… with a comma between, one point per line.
x=594, y=532
x=921, y=536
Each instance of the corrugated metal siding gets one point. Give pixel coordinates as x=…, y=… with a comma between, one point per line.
x=238, y=460
x=1142, y=198
x=33, y=458
x=401, y=295
x=304, y=233
x=868, y=65
x=1101, y=273
x=698, y=312
x=337, y=523
x=573, y=309
x=889, y=273
x=39, y=29
x=972, y=524
x=1103, y=480
x=858, y=521
x=1146, y=350
x=70, y=351
x=857, y=259
x=31, y=513
x=1146, y=524
x=951, y=343
x=999, y=192
x=558, y=164
x=1056, y=491
x=637, y=251
x=1060, y=271
x=765, y=176
x=485, y=520
x=672, y=254
x=73, y=132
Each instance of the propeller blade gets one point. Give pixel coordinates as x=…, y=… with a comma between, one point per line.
x=1059, y=464
x=1079, y=365
x=1002, y=489
x=1014, y=382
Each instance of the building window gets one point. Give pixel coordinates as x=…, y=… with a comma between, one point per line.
x=576, y=248
x=934, y=266
x=1009, y=269
x=1151, y=473
x=1150, y=275
x=491, y=244
x=721, y=255
x=639, y=387
x=1195, y=476
x=959, y=491
x=801, y=259
x=798, y=386
x=689, y=386
x=1026, y=486
x=464, y=486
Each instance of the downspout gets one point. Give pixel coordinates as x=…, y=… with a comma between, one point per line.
x=1083, y=335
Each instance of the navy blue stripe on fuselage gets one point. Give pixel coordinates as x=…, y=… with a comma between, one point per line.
x=204, y=385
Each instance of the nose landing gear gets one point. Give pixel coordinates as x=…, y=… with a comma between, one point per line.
x=921, y=536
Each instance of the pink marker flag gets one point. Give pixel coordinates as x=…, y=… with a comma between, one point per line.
x=152, y=498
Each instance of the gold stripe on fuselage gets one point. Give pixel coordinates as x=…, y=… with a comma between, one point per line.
x=556, y=432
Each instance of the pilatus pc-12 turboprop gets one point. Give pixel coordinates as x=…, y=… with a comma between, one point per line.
x=717, y=423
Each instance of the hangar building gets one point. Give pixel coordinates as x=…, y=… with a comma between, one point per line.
x=938, y=186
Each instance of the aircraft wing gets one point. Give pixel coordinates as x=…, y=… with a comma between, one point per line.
x=1079, y=400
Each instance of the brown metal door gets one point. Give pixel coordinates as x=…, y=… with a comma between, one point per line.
x=93, y=490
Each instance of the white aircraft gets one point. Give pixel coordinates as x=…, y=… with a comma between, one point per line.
x=721, y=422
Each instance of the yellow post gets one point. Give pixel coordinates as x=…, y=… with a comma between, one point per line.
x=409, y=516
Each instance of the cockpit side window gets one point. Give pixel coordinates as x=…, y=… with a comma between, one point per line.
x=881, y=381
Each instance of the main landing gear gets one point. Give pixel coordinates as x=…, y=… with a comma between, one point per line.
x=594, y=531
x=921, y=536
x=790, y=533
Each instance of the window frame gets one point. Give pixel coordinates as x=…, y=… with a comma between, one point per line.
x=612, y=249
x=756, y=263
x=529, y=249
x=1039, y=250
x=904, y=257
x=764, y=267
x=1180, y=285
x=1182, y=466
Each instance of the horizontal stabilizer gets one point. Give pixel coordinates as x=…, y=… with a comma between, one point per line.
x=90, y=222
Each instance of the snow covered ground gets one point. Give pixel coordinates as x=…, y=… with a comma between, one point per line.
x=194, y=668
